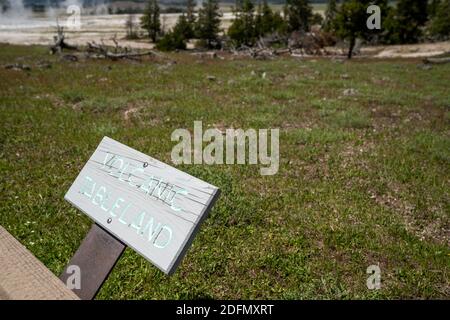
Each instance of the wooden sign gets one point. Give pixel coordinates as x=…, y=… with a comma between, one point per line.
x=150, y=206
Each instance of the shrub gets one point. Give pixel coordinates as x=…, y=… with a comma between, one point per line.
x=171, y=41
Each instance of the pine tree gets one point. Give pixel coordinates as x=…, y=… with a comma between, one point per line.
x=406, y=21
x=172, y=40
x=176, y=39
x=242, y=30
x=417, y=10
x=299, y=13
x=150, y=20
x=208, y=23
x=432, y=7
x=384, y=8
x=186, y=22
x=190, y=11
x=267, y=19
x=351, y=22
x=248, y=17
x=440, y=24
x=379, y=35
x=330, y=16
x=258, y=21
x=130, y=26
x=238, y=5
x=278, y=23
x=183, y=27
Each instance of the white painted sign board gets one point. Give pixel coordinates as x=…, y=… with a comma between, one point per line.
x=152, y=207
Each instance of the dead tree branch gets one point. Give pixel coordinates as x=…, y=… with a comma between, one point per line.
x=59, y=41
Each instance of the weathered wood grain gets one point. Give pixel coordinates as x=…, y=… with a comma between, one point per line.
x=95, y=258
x=152, y=207
x=24, y=277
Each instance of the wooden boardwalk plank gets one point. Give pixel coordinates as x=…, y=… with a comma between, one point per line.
x=24, y=277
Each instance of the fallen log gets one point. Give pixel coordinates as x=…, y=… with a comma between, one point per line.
x=283, y=51
x=436, y=60
x=99, y=51
x=113, y=56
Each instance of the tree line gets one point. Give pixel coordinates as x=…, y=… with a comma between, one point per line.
x=408, y=21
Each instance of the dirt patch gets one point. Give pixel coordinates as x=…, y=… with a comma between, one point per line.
x=436, y=230
x=409, y=50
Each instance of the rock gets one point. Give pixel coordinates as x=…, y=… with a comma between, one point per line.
x=162, y=67
x=69, y=57
x=44, y=64
x=350, y=92
x=130, y=112
x=425, y=67
x=18, y=67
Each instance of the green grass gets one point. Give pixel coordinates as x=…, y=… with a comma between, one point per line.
x=363, y=179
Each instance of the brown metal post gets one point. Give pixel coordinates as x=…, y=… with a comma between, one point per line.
x=95, y=258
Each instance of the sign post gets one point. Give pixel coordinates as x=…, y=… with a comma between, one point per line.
x=136, y=201
x=95, y=258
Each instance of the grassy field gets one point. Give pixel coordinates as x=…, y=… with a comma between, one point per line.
x=363, y=179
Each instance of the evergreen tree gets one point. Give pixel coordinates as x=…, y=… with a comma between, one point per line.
x=417, y=10
x=258, y=21
x=404, y=23
x=177, y=38
x=186, y=22
x=432, y=7
x=375, y=35
x=440, y=23
x=236, y=32
x=183, y=27
x=238, y=5
x=248, y=17
x=208, y=23
x=316, y=19
x=384, y=8
x=190, y=11
x=131, y=28
x=298, y=15
x=279, y=24
x=150, y=20
x=267, y=21
x=171, y=41
x=242, y=30
x=351, y=22
x=330, y=16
